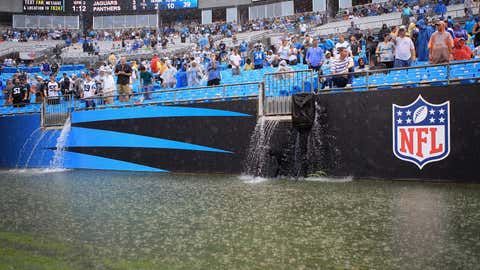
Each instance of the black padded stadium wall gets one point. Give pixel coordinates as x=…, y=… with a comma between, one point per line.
x=361, y=125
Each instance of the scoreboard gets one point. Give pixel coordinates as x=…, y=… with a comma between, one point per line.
x=104, y=6
x=44, y=5
x=167, y=4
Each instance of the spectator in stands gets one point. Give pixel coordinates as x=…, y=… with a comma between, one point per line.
x=476, y=52
x=181, y=77
x=450, y=22
x=385, y=51
x=293, y=59
x=404, y=49
x=108, y=86
x=243, y=49
x=355, y=46
x=112, y=59
x=341, y=66
x=194, y=74
x=258, y=57
x=440, y=9
x=248, y=65
x=235, y=61
x=135, y=73
x=327, y=63
x=78, y=85
x=18, y=94
x=284, y=51
x=89, y=91
x=45, y=67
x=406, y=14
x=162, y=66
x=450, y=30
x=394, y=32
x=65, y=86
x=146, y=82
x=7, y=92
x=362, y=66
x=303, y=29
x=358, y=34
x=384, y=30
x=440, y=45
x=315, y=57
x=476, y=32
x=168, y=76
x=123, y=71
x=459, y=32
x=40, y=89
x=52, y=91
x=371, y=49
x=425, y=31
x=351, y=29
x=154, y=64
x=342, y=43
x=460, y=50
x=307, y=42
x=285, y=69
x=213, y=72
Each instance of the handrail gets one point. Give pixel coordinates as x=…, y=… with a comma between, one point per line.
x=368, y=73
x=174, y=91
x=368, y=85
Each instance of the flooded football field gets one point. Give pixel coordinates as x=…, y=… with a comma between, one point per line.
x=121, y=220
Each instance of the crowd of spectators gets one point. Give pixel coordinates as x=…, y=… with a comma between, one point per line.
x=421, y=38
x=408, y=8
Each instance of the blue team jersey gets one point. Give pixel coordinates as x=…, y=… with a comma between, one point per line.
x=258, y=58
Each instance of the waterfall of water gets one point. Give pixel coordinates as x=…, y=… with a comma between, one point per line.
x=257, y=157
x=39, y=140
x=57, y=162
x=22, y=150
x=322, y=152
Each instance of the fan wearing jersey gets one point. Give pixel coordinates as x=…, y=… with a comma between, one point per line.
x=52, y=90
x=18, y=94
x=89, y=88
x=258, y=58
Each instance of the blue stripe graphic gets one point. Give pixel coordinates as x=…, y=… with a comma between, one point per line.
x=86, y=137
x=83, y=161
x=148, y=112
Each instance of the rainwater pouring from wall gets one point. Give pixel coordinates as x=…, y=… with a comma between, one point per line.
x=258, y=154
x=58, y=156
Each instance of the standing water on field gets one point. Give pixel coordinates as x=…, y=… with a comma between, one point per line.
x=258, y=151
x=83, y=219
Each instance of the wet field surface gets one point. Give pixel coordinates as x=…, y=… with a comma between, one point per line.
x=113, y=220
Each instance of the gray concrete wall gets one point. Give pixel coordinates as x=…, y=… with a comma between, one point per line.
x=11, y=6
x=222, y=3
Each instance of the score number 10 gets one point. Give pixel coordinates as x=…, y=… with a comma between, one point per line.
x=186, y=4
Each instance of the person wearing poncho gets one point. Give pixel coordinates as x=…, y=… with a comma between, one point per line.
x=440, y=45
x=425, y=31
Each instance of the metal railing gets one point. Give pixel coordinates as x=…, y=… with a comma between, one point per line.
x=406, y=77
x=55, y=111
x=174, y=96
x=279, y=87
x=274, y=93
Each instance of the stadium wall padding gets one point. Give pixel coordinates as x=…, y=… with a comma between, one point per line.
x=361, y=124
x=354, y=137
x=203, y=138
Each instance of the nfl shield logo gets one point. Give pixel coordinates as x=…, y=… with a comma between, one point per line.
x=421, y=131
